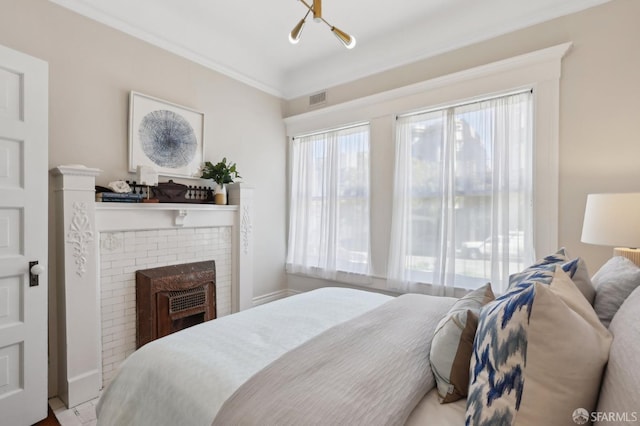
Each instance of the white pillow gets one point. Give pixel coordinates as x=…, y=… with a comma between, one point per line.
x=452, y=344
x=614, y=282
x=619, y=392
x=539, y=354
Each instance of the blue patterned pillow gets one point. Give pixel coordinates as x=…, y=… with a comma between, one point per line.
x=532, y=339
x=500, y=346
x=542, y=271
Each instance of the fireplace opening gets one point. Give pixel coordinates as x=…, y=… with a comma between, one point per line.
x=172, y=298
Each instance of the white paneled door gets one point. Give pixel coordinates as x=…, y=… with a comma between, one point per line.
x=23, y=238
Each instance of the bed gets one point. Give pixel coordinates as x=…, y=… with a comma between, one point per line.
x=337, y=356
x=191, y=376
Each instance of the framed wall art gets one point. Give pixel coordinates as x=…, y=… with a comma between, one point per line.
x=165, y=136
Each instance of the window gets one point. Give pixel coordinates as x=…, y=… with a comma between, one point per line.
x=329, y=205
x=463, y=188
x=538, y=70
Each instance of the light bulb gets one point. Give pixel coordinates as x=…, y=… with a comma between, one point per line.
x=346, y=39
x=294, y=35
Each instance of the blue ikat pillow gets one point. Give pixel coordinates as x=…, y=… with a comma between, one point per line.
x=530, y=341
x=542, y=271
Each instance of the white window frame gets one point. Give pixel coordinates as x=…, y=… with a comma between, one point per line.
x=539, y=70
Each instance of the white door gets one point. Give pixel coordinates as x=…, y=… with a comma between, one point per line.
x=23, y=237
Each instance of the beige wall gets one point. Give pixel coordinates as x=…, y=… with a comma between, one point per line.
x=92, y=68
x=599, y=104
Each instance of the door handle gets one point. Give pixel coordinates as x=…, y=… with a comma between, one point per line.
x=35, y=269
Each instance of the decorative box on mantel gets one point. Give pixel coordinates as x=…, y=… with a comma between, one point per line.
x=80, y=221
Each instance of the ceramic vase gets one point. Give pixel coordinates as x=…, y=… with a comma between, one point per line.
x=220, y=193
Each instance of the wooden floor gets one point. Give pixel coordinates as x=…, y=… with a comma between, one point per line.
x=49, y=421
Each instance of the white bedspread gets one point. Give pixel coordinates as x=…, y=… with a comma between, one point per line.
x=183, y=378
x=371, y=370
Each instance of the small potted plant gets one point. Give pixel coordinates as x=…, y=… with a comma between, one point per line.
x=221, y=173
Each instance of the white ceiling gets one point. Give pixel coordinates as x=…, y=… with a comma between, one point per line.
x=247, y=40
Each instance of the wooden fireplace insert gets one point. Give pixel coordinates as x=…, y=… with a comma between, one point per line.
x=172, y=298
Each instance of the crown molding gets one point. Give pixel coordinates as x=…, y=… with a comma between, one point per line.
x=361, y=62
x=102, y=17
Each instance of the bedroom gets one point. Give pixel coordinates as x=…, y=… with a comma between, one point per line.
x=92, y=69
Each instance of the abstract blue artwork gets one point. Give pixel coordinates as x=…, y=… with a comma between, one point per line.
x=165, y=136
x=167, y=139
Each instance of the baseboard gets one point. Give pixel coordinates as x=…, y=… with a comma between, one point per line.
x=270, y=297
x=82, y=388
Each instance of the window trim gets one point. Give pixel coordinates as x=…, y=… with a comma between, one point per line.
x=539, y=70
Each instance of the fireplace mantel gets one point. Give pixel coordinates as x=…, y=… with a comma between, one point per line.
x=140, y=216
x=80, y=221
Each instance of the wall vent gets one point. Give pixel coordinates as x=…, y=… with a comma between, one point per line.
x=319, y=98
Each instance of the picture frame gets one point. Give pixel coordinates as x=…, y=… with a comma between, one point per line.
x=165, y=136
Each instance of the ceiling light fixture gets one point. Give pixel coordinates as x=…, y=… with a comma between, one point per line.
x=349, y=41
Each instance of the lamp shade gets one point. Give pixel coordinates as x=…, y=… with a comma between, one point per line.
x=612, y=220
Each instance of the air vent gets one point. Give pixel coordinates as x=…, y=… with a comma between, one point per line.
x=319, y=98
x=183, y=300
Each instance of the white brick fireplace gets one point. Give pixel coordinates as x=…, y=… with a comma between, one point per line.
x=100, y=246
x=123, y=253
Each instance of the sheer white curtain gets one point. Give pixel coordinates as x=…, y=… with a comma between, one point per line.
x=463, y=191
x=329, y=205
